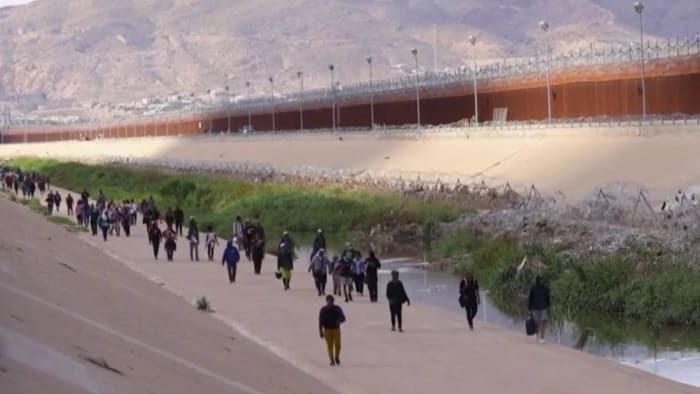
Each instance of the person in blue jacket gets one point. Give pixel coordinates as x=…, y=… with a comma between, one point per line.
x=230, y=259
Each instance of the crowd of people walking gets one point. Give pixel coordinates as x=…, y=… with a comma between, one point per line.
x=348, y=271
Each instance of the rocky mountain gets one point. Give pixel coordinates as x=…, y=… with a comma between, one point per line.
x=116, y=50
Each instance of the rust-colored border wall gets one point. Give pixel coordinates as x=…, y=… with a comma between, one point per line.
x=673, y=87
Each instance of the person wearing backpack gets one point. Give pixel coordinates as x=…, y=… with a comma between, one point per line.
x=285, y=264
x=330, y=318
x=372, y=266
x=396, y=295
x=319, y=267
x=469, y=298
x=193, y=237
x=230, y=259
x=103, y=222
x=538, y=305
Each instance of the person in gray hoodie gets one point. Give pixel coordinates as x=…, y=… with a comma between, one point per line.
x=320, y=267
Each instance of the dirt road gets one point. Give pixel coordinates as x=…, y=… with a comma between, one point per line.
x=435, y=354
x=73, y=320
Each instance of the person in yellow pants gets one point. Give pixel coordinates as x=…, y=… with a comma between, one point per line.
x=330, y=318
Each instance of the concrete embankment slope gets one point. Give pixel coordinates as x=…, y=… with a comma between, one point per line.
x=575, y=162
x=436, y=353
x=73, y=320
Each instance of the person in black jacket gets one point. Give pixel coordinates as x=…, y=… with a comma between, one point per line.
x=156, y=236
x=396, y=295
x=538, y=304
x=319, y=243
x=469, y=297
x=330, y=318
x=372, y=266
x=285, y=264
x=179, y=220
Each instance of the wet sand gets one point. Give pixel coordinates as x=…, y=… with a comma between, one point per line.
x=437, y=353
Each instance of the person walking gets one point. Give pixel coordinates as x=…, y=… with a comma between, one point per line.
x=538, y=305
x=69, y=204
x=50, y=202
x=211, y=240
x=156, y=238
x=239, y=231
x=57, y=200
x=330, y=318
x=94, y=215
x=396, y=295
x=193, y=237
x=179, y=220
x=469, y=298
x=125, y=217
x=372, y=267
x=230, y=259
x=257, y=251
x=169, y=218
x=319, y=267
x=347, y=273
x=285, y=264
x=336, y=275
x=359, y=274
x=170, y=243
x=104, y=224
x=319, y=243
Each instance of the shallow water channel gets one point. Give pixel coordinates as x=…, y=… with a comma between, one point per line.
x=672, y=354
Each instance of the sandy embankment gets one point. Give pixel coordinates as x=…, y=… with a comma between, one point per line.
x=65, y=307
x=436, y=354
x=575, y=162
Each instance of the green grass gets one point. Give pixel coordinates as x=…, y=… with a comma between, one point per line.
x=631, y=284
x=217, y=200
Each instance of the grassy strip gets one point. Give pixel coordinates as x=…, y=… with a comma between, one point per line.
x=217, y=200
x=631, y=284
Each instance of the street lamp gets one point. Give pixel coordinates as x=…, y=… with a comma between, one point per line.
x=639, y=8
x=211, y=108
x=300, y=75
x=545, y=28
x=250, y=123
x=371, y=94
x=414, y=51
x=331, y=67
x=272, y=87
x=472, y=40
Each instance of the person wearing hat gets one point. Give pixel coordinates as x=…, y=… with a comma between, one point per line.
x=285, y=264
x=287, y=239
x=193, y=237
x=319, y=243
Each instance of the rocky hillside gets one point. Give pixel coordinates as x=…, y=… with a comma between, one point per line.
x=109, y=50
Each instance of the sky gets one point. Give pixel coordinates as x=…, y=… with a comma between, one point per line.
x=4, y=3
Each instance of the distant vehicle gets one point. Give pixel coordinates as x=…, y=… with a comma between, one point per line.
x=246, y=129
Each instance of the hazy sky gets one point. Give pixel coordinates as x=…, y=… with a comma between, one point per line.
x=13, y=2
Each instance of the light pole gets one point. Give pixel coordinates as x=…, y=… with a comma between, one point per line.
x=545, y=28
x=272, y=87
x=472, y=40
x=228, y=113
x=250, y=123
x=332, y=70
x=300, y=74
x=211, y=115
x=414, y=51
x=371, y=94
x=639, y=8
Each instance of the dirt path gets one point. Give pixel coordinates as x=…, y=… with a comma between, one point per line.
x=435, y=354
x=73, y=320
